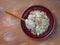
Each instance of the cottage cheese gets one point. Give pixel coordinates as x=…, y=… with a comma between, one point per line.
x=37, y=21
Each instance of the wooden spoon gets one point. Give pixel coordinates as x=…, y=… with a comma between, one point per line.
x=14, y=15
x=29, y=23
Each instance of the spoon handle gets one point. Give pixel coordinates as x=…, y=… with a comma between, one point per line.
x=14, y=15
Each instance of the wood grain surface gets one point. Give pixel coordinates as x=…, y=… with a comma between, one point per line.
x=10, y=29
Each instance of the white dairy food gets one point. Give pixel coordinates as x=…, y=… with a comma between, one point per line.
x=37, y=21
x=29, y=23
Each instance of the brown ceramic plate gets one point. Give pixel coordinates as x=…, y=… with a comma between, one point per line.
x=50, y=16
